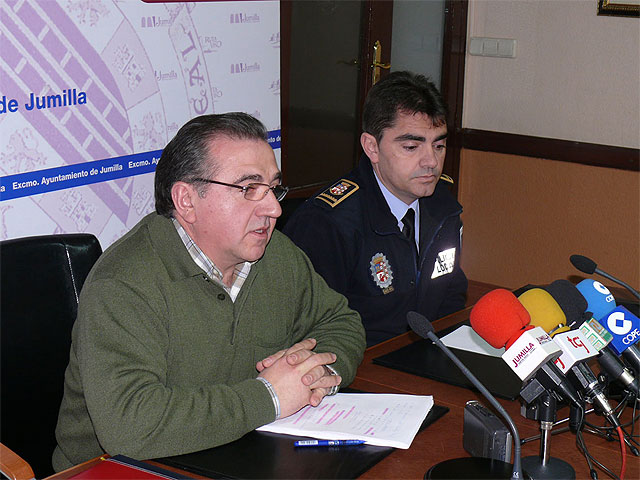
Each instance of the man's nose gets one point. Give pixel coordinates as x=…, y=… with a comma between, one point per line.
x=270, y=206
x=429, y=157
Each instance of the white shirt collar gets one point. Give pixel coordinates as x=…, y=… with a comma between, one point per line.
x=399, y=208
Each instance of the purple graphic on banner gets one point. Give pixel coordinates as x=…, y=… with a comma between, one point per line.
x=92, y=90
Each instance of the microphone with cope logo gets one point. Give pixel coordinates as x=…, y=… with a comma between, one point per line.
x=623, y=325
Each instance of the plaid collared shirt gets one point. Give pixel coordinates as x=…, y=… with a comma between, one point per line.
x=240, y=273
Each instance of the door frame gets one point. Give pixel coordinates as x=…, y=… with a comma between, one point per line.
x=454, y=49
x=376, y=21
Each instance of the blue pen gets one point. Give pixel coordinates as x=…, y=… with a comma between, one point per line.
x=327, y=443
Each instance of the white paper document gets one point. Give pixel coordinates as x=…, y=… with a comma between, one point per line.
x=465, y=338
x=379, y=419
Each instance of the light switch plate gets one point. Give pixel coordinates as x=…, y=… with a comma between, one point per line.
x=492, y=47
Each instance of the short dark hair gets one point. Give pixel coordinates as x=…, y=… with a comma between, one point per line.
x=186, y=156
x=403, y=92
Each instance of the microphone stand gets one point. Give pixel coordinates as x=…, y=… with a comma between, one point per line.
x=604, y=274
x=544, y=465
x=557, y=430
x=464, y=467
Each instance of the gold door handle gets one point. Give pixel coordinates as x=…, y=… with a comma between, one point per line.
x=376, y=65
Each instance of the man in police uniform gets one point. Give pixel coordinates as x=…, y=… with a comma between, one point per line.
x=388, y=235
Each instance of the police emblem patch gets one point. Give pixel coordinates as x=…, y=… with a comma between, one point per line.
x=339, y=188
x=381, y=272
x=338, y=192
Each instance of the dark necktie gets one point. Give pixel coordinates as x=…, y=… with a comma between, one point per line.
x=409, y=228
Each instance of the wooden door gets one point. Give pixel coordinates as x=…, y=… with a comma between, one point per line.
x=327, y=52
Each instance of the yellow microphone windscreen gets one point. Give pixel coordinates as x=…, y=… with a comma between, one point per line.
x=544, y=310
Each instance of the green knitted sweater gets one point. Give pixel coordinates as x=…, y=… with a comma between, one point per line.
x=162, y=362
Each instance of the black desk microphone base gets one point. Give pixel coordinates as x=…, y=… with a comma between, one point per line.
x=467, y=468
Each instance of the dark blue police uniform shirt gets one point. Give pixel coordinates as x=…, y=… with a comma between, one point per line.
x=353, y=241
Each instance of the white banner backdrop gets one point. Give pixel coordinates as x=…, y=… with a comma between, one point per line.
x=92, y=90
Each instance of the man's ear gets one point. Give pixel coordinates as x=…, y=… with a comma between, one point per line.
x=370, y=146
x=183, y=195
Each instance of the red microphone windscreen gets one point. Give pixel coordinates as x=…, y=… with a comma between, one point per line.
x=499, y=318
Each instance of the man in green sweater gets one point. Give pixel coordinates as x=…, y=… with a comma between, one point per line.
x=202, y=323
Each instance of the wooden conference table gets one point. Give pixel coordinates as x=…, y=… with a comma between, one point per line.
x=443, y=439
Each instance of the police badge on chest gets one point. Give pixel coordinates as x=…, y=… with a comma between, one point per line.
x=381, y=272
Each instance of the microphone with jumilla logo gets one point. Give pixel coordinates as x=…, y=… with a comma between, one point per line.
x=547, y=314
x=469, y=467
x=502, y=321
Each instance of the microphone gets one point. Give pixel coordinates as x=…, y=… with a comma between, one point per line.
x=623, y=325
x=588, y=266
x=570, y=300
x=544, y=311
x=616, y=370
x=599, y=299
x=576, y=348
x=502, y=321
x=420, y=325
x=601, y=302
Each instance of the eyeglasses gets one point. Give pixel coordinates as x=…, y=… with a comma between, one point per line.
x=253, y=191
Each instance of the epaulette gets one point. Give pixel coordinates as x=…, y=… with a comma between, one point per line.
x=337, y=192
x=446, y=178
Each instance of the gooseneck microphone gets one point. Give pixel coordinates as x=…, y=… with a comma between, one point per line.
x=588, y=266
x=420, y=325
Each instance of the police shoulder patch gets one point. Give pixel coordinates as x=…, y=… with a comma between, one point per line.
x=447, y=178
x=337, y=192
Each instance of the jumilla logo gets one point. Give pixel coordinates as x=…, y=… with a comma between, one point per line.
x=517, y=360
x=543, y=339
x=244, y=18
x=245, y=67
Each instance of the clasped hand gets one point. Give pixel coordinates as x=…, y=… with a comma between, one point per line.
x=299, y=376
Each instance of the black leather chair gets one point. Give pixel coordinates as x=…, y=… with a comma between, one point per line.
x=40, y=282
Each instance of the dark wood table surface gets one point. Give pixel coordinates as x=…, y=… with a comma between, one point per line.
x=443, y=439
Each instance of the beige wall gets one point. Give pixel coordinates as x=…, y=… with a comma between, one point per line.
x=523, y=217
x=576, y=75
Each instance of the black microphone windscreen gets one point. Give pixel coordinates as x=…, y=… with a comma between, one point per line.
x=571, y=301
x=419, y=324
x=584, y=264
